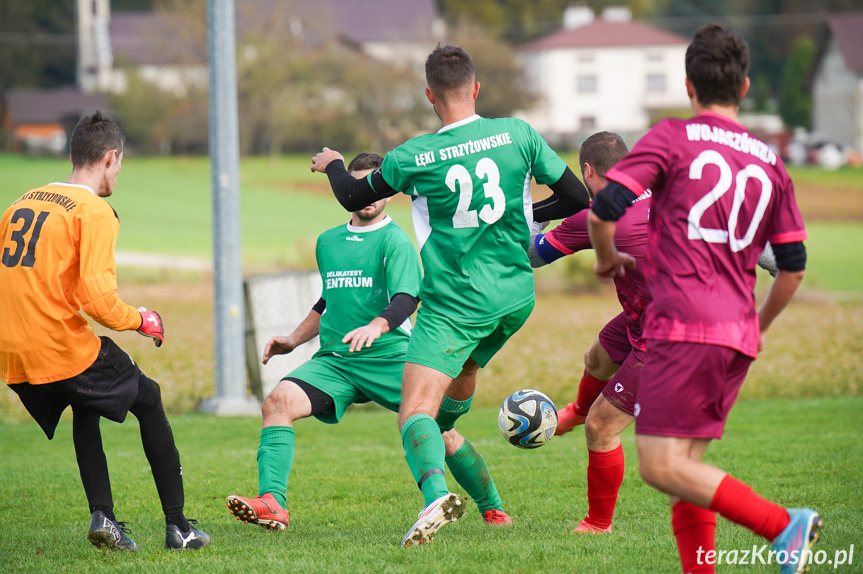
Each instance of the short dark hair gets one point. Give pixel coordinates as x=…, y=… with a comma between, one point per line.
x=365, y=160
x=94, y=136
x=717, y=60
x=602, y=150
x=449, y=68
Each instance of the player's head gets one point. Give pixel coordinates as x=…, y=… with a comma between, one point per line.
x=597, y=155
x=451, y=76
x=363, y=164
x=97, y=144
x=717, y=60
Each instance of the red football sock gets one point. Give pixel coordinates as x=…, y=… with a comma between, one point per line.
x=604, y=475
x=588, y=390
x=695, y=530
x=738, y=503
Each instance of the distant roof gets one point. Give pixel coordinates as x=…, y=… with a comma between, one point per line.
x=153, y=38
x=847, y=28
x=51, y=106
x=602, y=34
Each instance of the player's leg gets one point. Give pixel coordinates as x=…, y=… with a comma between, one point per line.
x=468, y=467
x=292, y=399
x=601, y=362
x=164, y=458
x=710, y=376
x=605, y=463
x=612, y=412
x=92, y=465
x=423, y=389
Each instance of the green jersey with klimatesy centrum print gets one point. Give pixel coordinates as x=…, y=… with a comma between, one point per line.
x=362, y=268
x=472, y=212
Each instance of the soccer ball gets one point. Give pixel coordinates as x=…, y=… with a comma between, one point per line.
x=527, y=419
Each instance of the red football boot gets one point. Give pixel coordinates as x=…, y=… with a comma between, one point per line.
x=263, y=510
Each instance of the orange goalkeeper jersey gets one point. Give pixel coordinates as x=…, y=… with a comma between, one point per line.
x=57, y=245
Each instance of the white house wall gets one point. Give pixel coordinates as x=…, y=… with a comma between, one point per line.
x=837, y=101
x=621, y=101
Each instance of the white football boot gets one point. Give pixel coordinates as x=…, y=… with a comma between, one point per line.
x=448, y=508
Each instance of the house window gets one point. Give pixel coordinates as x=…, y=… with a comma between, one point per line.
x=655, y=82
x=586, y=84
x=585, y=58
x=655, y=57
x=587, y=123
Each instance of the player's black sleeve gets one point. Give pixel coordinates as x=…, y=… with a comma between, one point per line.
x=612, y=201
x=355, y=194
x=790, y=256
x=568, y=198
x=400, y=308
x=320, y=306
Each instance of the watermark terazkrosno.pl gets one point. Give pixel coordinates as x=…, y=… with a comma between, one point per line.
x=765, y=555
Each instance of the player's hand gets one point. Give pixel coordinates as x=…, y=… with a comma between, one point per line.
x=614, y=266
x=278, y=346
x=363, y=336
x=323, y=159
x=151, y=326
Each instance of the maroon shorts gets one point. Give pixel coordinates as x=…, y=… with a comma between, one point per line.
x=622, y=389
x=687, y=389
x=615, y=339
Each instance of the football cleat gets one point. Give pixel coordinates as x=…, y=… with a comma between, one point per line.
x=193, y=539
x=107, y=533
x=498, y=517
x=448, y=508
x=262, y=510
x=585, y=526
x=795, y=542
x=568, y=419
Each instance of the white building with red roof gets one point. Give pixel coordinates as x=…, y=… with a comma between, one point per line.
x=837, y=82
x=606, y=73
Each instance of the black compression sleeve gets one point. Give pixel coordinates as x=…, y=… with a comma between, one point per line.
x=355, y=194
x=320, y=306
x=570, y=197
x=400, y=308
x=612, y=201
x=790, y=256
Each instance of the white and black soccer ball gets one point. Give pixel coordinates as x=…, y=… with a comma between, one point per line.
x=527, y=419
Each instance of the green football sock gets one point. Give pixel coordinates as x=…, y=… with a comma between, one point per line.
x=275, y=457
x=470, y=471
x=425, y=452
x=450, y=411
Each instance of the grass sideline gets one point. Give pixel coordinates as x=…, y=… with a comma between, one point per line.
x=165, y=207
x=352, y=499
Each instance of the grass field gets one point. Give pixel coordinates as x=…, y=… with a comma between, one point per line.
x=795, y=435
x=165, y=207
x=351, y=498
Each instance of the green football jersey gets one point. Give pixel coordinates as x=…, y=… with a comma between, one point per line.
x=361, y=269
x=472, y=212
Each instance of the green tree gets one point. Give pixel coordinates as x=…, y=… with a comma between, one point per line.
x=37, y=44
x=502, y=87
x=795, y=102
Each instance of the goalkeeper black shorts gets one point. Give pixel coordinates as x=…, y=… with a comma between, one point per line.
x=108, y=388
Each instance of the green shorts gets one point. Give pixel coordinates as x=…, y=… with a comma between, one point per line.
x=445, y=345
x=354, y=379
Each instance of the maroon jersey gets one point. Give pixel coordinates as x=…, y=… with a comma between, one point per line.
x=718, y=196
x=630, y=236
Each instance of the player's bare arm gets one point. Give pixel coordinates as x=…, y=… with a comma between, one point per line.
x=367, y=334
x=610, y=262
x=397, y=312
x=305, y=332
x=791, y=262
